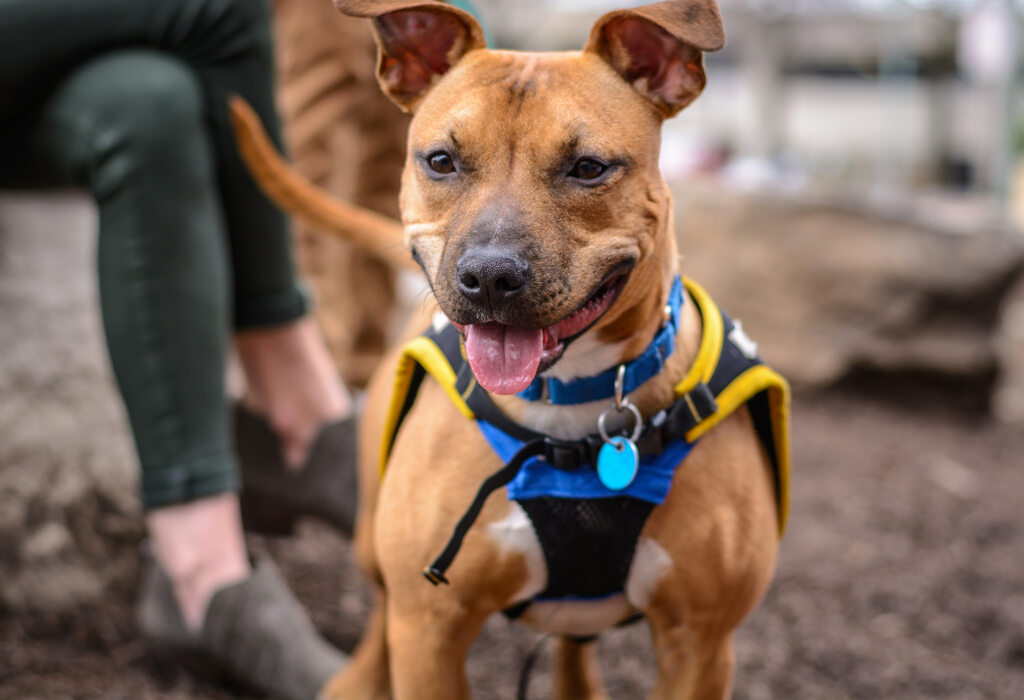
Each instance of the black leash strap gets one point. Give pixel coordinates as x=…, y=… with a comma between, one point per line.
x=528, y=663
x=435, y=572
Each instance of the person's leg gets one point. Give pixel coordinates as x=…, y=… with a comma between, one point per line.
x=227, y=44
x=290, y=377
x=201, y=548
x=130, y=125
x=291, y=380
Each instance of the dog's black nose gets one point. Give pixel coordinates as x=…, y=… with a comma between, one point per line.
x=492, y=275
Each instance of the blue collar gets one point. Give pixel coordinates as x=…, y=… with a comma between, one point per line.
x=602, y=386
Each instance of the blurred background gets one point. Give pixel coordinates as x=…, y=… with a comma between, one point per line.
x=905, y=106
x=851, y=186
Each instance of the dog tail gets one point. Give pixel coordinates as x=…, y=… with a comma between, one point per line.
x=379, y=235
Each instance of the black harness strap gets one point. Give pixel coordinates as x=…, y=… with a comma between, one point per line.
x=435, y=572
x=732, y=363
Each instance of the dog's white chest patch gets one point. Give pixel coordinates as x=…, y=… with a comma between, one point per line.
x=515, y=533
x=650, y=563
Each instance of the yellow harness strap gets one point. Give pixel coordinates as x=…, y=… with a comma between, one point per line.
x=425, y=353
x=739, y=391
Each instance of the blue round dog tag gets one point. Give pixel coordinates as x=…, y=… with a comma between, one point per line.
x=617, y=463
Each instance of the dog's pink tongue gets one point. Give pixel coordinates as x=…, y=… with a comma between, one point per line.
x=504, y=359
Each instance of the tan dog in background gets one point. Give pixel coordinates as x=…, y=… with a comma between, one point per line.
x=345, y=136
x=533, y=202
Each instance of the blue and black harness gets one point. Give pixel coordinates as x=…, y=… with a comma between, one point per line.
x=587, y=530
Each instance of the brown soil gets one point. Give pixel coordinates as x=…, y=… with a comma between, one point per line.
x=900, y=575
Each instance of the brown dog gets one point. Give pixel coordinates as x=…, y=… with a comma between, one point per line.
x=532, y=200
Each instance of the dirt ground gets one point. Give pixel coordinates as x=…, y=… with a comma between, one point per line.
x=901, y=574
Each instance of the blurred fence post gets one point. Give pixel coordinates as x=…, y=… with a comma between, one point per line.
x=897, y=66
x=763, y=53
x=988, y=54
x=1004, y=113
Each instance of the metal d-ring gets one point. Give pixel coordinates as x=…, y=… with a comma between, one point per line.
x=638, y=422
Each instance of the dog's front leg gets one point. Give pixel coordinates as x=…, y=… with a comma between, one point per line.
x=366, y=675
x=428, y=645
x=693, y=664
x=577, y=676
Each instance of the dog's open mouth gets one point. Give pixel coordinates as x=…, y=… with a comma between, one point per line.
x=506, y=359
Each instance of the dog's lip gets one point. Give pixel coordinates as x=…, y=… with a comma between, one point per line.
x=558, y=336
x=591, y=311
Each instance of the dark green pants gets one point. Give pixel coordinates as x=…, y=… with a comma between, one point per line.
x=127, y=98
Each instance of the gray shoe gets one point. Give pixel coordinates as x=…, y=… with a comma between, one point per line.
x=273, y=496
x=255, y=632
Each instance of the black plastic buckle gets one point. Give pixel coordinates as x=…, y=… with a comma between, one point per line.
x=701, y=402
x=689, y=411
x=565, y=455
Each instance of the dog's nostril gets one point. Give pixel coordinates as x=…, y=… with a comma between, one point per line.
x=469, y=282
x=507, y=284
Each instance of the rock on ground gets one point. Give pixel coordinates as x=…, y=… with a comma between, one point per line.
x=838, y=297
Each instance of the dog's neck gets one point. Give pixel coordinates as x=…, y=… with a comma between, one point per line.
x=595, y=352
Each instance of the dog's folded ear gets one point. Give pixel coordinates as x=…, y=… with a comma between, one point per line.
x=658, y=48
x=419, y=42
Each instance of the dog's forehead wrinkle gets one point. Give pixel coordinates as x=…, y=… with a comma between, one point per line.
x=513, y=76
x=519, y=67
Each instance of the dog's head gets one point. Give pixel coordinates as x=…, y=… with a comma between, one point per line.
x=531, y=194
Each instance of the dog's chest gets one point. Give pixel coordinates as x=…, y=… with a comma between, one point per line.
x=588, y=569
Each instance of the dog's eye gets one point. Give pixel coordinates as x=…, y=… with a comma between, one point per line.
x=441, y=163
x=588, y=169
